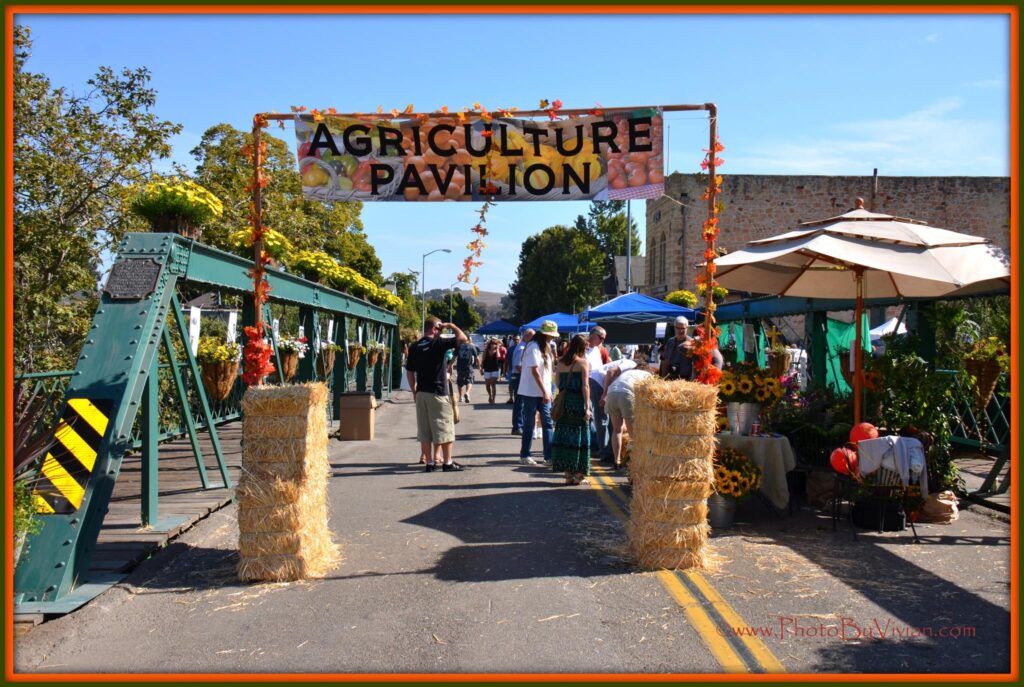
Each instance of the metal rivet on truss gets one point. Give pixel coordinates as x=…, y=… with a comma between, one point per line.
x=60, y=564
x=83, y=356
x=67, y=542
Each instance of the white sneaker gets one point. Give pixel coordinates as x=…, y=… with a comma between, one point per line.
x=538, y=433
x=527, y=461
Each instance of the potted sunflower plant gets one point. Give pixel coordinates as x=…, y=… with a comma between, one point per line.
x=218, y=363
x=736, y=478
x=746, y=388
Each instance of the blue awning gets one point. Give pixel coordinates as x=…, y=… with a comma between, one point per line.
x=636, y=307
x=566, y=323
x=498, y=327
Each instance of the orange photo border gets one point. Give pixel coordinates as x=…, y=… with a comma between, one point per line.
x=1012, y=12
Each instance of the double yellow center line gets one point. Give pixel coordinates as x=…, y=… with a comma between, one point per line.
x=715, y=621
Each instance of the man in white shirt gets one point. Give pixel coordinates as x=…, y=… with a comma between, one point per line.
x=599, y=378
x=535, y=390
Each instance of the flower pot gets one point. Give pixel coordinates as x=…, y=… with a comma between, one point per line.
x=325, y=363
x=372, y=357
x=219, y=379
x=779, y=363
x=175, y=225
x=741, y=416
x=354, y=354
x=986, y=378
x=721, y=511
x=289, y=365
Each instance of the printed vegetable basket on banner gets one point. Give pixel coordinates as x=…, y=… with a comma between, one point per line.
x=614, y=155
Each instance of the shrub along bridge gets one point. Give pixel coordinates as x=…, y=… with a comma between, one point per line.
x=121, y=400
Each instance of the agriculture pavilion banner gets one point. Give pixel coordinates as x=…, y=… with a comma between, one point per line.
x=612, y=156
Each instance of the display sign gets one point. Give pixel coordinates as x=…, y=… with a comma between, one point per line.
x=616, y=155
x=133, y=278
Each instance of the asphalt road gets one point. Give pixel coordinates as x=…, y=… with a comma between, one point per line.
x=500, y=569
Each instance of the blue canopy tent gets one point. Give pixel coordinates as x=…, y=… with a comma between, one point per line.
x=497, y=328
x=634, y=308
x=569, y=324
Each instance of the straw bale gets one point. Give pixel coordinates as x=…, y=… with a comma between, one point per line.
x=668, y=511
x=674, y=445
x=645, y=467
x=675, y=559
x=284, y=427
x=282, y=494
x=675, y=395
x=646, y=534
x=294, y=400
x=261, y=489
x=672, y=490
x=686, y=424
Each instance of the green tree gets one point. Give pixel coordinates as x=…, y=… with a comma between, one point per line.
x=76, y=160
x=606, y=222
x=409, y=311
x=559, y=270
x=460, y=309
x=335, y=228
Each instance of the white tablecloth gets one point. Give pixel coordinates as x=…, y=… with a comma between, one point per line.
x=773, y=455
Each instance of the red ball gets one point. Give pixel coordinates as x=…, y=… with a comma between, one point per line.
x=864, y=430
x=844, y=461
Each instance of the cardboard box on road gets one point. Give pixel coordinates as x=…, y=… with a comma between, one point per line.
x=357, y=416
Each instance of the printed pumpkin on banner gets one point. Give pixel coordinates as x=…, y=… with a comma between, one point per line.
x=476, y=157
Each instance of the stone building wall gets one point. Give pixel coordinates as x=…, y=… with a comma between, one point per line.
x=758, y=206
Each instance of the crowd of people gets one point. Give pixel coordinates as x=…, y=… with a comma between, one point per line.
x=573, y=393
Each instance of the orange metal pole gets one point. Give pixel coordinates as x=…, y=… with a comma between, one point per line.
x=858, y=374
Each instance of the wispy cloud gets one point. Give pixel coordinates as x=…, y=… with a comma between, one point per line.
x=929, y=141
x=998, y=83
x=932, y=38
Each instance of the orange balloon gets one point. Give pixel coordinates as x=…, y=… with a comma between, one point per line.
x=864, y=430
x=844, y=461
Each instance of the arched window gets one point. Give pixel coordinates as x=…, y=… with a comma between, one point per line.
x=662, y=252
x=652, y=264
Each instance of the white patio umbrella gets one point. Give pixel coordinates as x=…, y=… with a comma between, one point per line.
x=866, y=255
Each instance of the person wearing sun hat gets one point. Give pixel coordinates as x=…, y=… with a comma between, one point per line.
x=535, y=390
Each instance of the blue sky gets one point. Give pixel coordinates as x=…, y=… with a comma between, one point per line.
x=908, y=94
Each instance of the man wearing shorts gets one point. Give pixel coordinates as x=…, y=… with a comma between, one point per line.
x=618, y=402
x=467, y=358
x=428, y=377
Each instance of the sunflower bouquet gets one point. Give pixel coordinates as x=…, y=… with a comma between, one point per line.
x=747, y=383
x=735, y=474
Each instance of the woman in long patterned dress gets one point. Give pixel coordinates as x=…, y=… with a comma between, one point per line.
x=570, y=449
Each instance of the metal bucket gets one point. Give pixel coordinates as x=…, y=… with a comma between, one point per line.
x=741, y=416
x=721, y=511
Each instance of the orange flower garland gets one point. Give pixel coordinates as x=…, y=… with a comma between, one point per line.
x=707, y=340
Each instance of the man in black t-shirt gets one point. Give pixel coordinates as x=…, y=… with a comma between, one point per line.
x=428, y=378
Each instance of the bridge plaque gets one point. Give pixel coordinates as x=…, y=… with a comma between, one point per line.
x=133, y=279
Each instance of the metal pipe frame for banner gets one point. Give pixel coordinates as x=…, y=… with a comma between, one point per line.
x=710, y=108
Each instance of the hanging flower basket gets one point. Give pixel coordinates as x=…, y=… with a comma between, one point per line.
x=372, y=357
x=779, y=362
x=355, y=351
x=219, y=379
x=289, y=365
x=325, y=363
x=986, y=378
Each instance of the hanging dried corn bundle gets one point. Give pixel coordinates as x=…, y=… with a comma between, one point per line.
x=282, y=494
x=672, y=473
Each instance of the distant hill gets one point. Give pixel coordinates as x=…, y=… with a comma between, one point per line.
x=488, y=298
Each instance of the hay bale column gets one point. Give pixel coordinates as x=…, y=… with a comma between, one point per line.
x=672, y=473
x=282, y=494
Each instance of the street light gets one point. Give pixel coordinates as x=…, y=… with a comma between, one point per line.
x=423, y=282
x=451, y=296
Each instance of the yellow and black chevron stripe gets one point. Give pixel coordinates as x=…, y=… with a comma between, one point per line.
x=60, y=485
